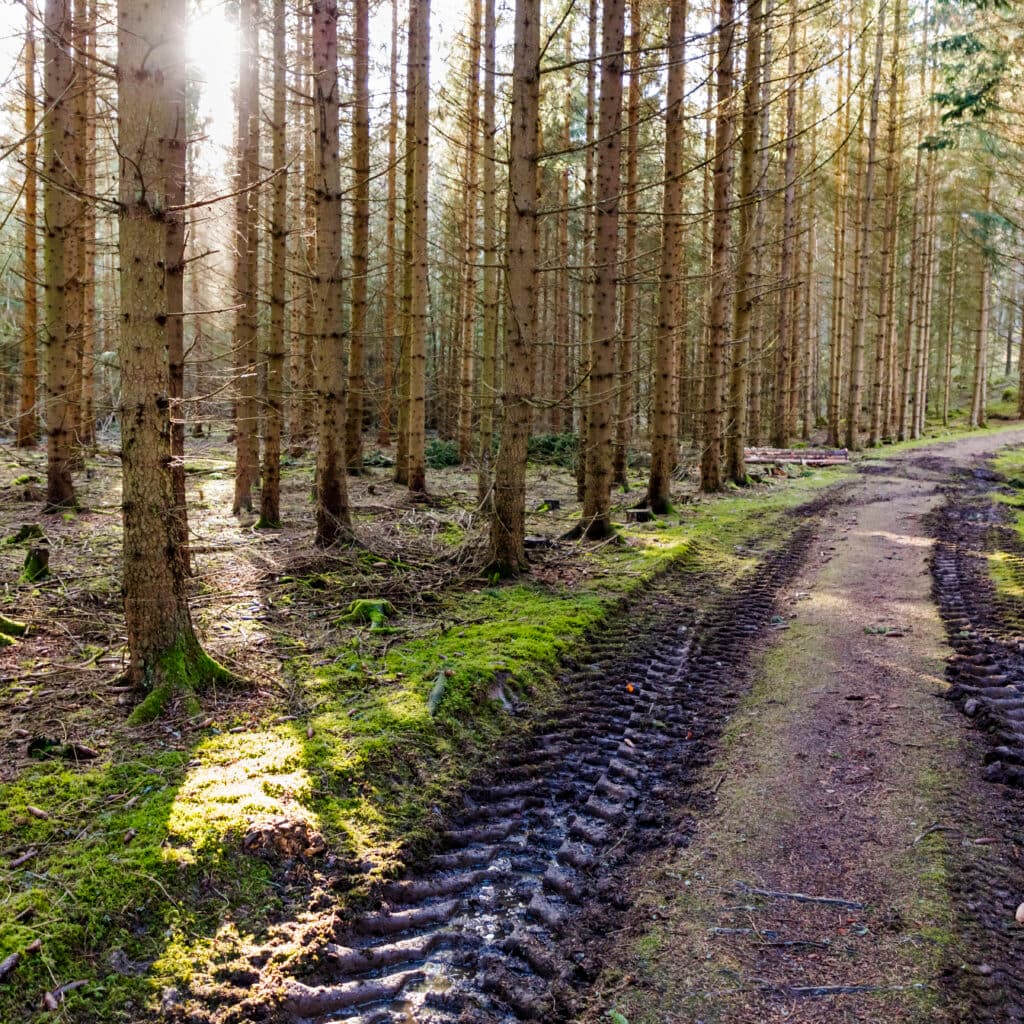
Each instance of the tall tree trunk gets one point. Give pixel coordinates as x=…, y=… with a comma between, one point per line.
x=756, y=334
x=28, y=418
x=270, y=494
x=561, y=416
x=837, y=333
x=333, y=520
x=163, y=650
x=589, y=259
x=57, y=184
x=889, y=237
x=507, y=554
x=246, y=244
x=302, y=324
x=360, y=237
x=597, y=522
x=787, y=284
x=489, y=345
x=624, y=397
x=419, y=84
x=718, y=314
x=173, y=143
x=87, y=410
x=745, y=283
x=947, y=371
x=74, y=255
x=979, y=389
x=664, y=406
x=927, y=292
x=390, y=303
x=853, y=409
x=467, y=354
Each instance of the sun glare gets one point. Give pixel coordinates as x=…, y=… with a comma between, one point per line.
x=212, y=47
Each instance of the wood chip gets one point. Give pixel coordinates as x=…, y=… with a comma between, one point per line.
x=38, y=812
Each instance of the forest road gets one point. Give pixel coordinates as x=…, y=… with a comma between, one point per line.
x=845, y=779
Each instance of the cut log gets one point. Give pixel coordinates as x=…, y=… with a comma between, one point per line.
x=801, y=456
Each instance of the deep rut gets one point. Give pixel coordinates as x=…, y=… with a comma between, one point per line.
x=510, y=920
x=987, y=676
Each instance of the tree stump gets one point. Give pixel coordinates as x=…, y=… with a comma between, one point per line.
x=37, y=563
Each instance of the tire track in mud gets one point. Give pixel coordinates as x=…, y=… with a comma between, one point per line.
x=986, y=671
x=512, y=918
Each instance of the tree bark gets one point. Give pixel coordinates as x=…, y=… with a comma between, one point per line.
x=489, y=341
x=270, y=493
x=507, y=554
x=28, y=417
x=333, y=520
x=246, y=243
x=597, y=522
x=588, y=258
x=467, y=330
x=947, y=371
x=390, y=304
x=624, y=395
x=853, y=409
x=163, y=650
x=360, y=237
x=419, y=85
x=57, y=184
x=714, y=398
x=664, y=429
x=886, y=313
x=787, y=283
x=979, y=389
x=745, y=282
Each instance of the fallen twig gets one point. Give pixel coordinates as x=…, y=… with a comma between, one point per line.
x=800, y=897
x=937, y=827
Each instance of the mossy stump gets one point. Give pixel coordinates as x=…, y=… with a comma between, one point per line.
x=37, y=563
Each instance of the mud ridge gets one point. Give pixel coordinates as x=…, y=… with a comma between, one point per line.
x=986, y=673
x=513, y=916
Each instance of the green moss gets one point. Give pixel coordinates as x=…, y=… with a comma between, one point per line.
x=375, y=611
x=36, y=565
x=27, y=531
x=1006, y=568
x=120, y=883
x=185, y=669
x=9, y=627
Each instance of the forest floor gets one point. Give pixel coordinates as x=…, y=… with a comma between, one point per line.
x=169, y=868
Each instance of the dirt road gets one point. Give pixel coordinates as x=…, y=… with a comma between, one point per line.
x=855, y=867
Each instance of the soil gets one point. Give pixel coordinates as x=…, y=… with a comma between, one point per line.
x=856, y=867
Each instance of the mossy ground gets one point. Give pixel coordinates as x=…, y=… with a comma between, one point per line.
x=1006, y=567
